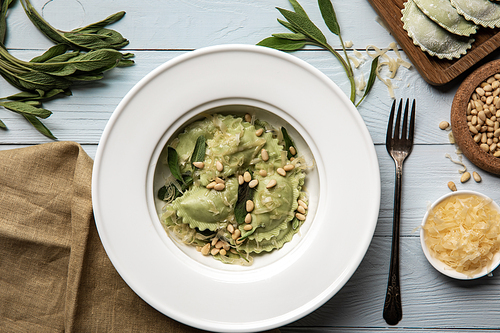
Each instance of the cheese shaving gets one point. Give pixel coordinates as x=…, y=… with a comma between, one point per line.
x=459, y=162
x=463, y=231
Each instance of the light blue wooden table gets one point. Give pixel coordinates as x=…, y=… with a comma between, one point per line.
x=161, y=30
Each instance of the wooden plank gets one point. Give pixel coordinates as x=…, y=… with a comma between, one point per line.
x=435, y=71
x=430, y=299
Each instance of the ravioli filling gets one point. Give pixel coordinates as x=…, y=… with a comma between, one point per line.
x=207, y=202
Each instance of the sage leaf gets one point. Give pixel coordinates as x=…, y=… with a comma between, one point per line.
x=244, y=193
x=101, y=24
x=3, y=22
x=52, y=52
x=294, y=36
x=304, y=25
x=288, y=26
x=281, y=44
x=199, y=150
x=298, y=8
x=288, y=142
x=371, y=79
x=329, y=16
x=295, y=223
x=162, y=192
x=173, y=164
x=26, y=108
x=39, y=126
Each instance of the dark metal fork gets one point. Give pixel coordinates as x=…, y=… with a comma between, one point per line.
x=399, y=144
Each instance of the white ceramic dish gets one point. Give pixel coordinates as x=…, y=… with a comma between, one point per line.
x=442, y=267
x=289, y=283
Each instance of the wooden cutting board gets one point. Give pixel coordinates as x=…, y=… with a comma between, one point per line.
x=434, y=70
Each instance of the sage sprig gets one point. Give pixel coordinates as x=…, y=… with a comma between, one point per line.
x=305, y=32
x=83, y=54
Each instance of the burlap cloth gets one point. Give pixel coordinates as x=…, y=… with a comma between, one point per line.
x=54, y=273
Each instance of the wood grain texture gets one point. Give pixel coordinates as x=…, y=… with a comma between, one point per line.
x=435, y=71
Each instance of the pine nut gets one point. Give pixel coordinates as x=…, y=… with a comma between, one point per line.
x=289, y=167
x=219, y=180
x=262, y=172
x=247, y=177
x=241, y=180
x=248, y=227
x=299, y=216
x=222, y=252
x=211, y=185
x=444, y=125
x=219, y=166
x=214, y=251
x=261, y=130
x=272, y=183
x=465, y=177
x=480, y=91
x=219, y=244
x=249, y=205
x=219, y=187
x=452, y=186
x=236, y=234
x=253, y=183
x=248, y=117
x=302, y=203
x=199, y=165
x=292, y=150
x=248, y=218
x=230, y=228
x=264, y=154
x=301, y=210
x=214, y=241
x=205, y=249
x=476, y=177
x=281, y=172
x=485, y=147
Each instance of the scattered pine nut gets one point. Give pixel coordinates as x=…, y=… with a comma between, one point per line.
x=230, y=228
x=248, y=227
x=444, y=125
x=214, y=241
x=264, y=154
x=248, y=218
x=219, y=180
x=292, y=150
x=281, y=171
x=247, y=176
x=465, y=177
x=272, y=183
x=219, y=187
x=289, y=167
x=301, y=217
x=226, y=246
x=259, y=132
x=253, y=183
x=199, y=165
x=476, y=177
x=219, y=166
x=301, y=210
x=302, y=203
x=219, y=244
x=262, y=172
x=211, y=185
x=452, y=186
x=214, y=251
x=249, y=206
x=205, y=249
x=241, y=180
x=222, y=252
x=248, y=117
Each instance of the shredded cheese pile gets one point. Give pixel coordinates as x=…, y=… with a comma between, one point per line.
x=463, y=232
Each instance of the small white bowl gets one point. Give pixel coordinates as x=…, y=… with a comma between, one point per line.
x=444, y=268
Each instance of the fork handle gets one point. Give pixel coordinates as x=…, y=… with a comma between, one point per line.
x=393, y=311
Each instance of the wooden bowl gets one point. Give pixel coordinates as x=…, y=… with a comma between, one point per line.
x=458, y=117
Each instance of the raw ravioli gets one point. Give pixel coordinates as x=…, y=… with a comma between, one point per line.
x=444, y=14
x=430, y=37
x=481, y=12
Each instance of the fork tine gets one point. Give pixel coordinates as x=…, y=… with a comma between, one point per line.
x=405, y=120
x=389, y=126
x=412, y=122
x=398, y=120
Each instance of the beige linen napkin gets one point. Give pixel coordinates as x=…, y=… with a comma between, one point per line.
x=54, y=273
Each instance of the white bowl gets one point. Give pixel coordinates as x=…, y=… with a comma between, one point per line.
x=444, y=268
x=288, y=284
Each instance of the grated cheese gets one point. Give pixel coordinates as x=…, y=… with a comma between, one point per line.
x=463, y=231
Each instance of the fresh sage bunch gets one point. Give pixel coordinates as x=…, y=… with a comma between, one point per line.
x=305, y=32
x=51, y=74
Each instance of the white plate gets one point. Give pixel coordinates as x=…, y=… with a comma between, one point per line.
x=288, y=284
